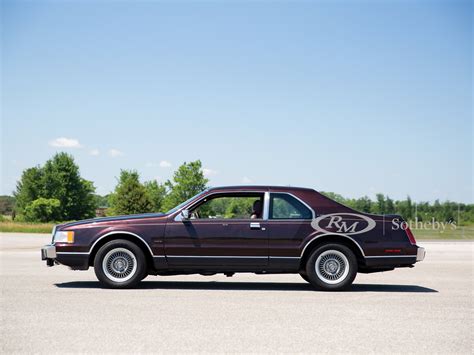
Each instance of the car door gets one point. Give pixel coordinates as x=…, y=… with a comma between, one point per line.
x=289, y=222
x=216, y=241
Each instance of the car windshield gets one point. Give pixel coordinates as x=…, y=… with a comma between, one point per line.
x=185, y=203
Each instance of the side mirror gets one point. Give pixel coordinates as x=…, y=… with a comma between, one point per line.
x=185, y=215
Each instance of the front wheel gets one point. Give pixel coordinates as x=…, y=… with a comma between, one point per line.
x=331, y=267
x=120, y=264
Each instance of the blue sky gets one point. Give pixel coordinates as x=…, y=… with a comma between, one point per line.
x=344, y=96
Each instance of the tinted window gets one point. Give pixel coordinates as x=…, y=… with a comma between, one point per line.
x=230, y=207
x=284, y=206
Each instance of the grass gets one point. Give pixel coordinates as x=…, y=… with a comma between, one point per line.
x=460, y=233
x=25, y=227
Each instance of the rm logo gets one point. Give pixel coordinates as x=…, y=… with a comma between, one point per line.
x=343, y=223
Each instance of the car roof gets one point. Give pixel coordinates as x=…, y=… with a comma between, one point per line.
x=258, y=187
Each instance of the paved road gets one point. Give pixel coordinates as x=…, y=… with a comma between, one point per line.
x=428, y=309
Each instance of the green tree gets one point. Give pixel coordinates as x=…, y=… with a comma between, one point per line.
x=43, y=210
x=102, y=201
x=130, y=195
x=389, y=205
x=157, y=194
x=187, y=181
x=404, y=208
x=380, y=204
x=59, y=179
x=29, y=188
x=334, y=196
x=363, y=204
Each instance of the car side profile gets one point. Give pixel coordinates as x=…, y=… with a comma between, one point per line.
x=257, y=229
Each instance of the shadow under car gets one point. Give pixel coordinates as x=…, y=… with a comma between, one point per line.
x=250, y=286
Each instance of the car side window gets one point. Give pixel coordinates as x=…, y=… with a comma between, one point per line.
x=284, y=206
x=230, y=207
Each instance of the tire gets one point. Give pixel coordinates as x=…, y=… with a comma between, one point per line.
x=331, y=267
x=120, y=264
x=305, y=277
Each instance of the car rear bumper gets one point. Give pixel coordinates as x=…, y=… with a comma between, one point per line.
x=396, y=260
x=420, y=254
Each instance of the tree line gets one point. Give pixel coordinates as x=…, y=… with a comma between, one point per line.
x=56, y=192
x=446, y=211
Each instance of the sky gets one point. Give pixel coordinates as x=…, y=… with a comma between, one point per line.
x=346, y=96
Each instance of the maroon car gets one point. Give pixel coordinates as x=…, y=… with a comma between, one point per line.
x=258, y=229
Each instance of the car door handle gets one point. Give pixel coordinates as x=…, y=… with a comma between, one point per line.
x=254, y=225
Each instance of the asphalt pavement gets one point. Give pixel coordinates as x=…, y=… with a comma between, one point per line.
x=427, y=309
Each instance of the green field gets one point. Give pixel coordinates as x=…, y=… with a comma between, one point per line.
x=463, y=232
x=24, y=227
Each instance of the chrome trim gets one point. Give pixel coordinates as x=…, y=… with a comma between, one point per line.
x=120, y=232
x=53, y=232
x=273, y=257
x=390, y=256
x=420, y=254
x=340, y=235
x=266, y=205
x=217, y=256
x=192, y=203
x=72, y=252
x=297, y=198
x=48, y=252
x=255, y=225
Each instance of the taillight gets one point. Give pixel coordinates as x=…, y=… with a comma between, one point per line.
x=410, y=236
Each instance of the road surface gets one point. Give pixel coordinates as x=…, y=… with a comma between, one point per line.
x=427, y=309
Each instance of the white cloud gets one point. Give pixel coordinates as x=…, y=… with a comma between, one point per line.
x=63, y=142
x=94, y=152
x=150, y=165
x=165, y=164
x=209, y=172
x=246, y=180
x=115, y=153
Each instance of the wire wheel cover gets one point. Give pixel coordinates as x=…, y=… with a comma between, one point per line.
x=119, y=265
x=332, y=266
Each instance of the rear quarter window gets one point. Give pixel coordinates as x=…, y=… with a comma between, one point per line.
x=284, y=206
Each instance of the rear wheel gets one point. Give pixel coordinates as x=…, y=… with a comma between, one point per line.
x=304, y=277
x=331, y=267
x=120, y=264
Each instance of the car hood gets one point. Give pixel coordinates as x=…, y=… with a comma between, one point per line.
x=110, y=219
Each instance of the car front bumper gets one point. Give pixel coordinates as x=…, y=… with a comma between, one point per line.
x=75, y=260
x=420, y=254
x=48, y=253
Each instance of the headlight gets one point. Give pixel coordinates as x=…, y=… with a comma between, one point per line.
x=63, y=237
